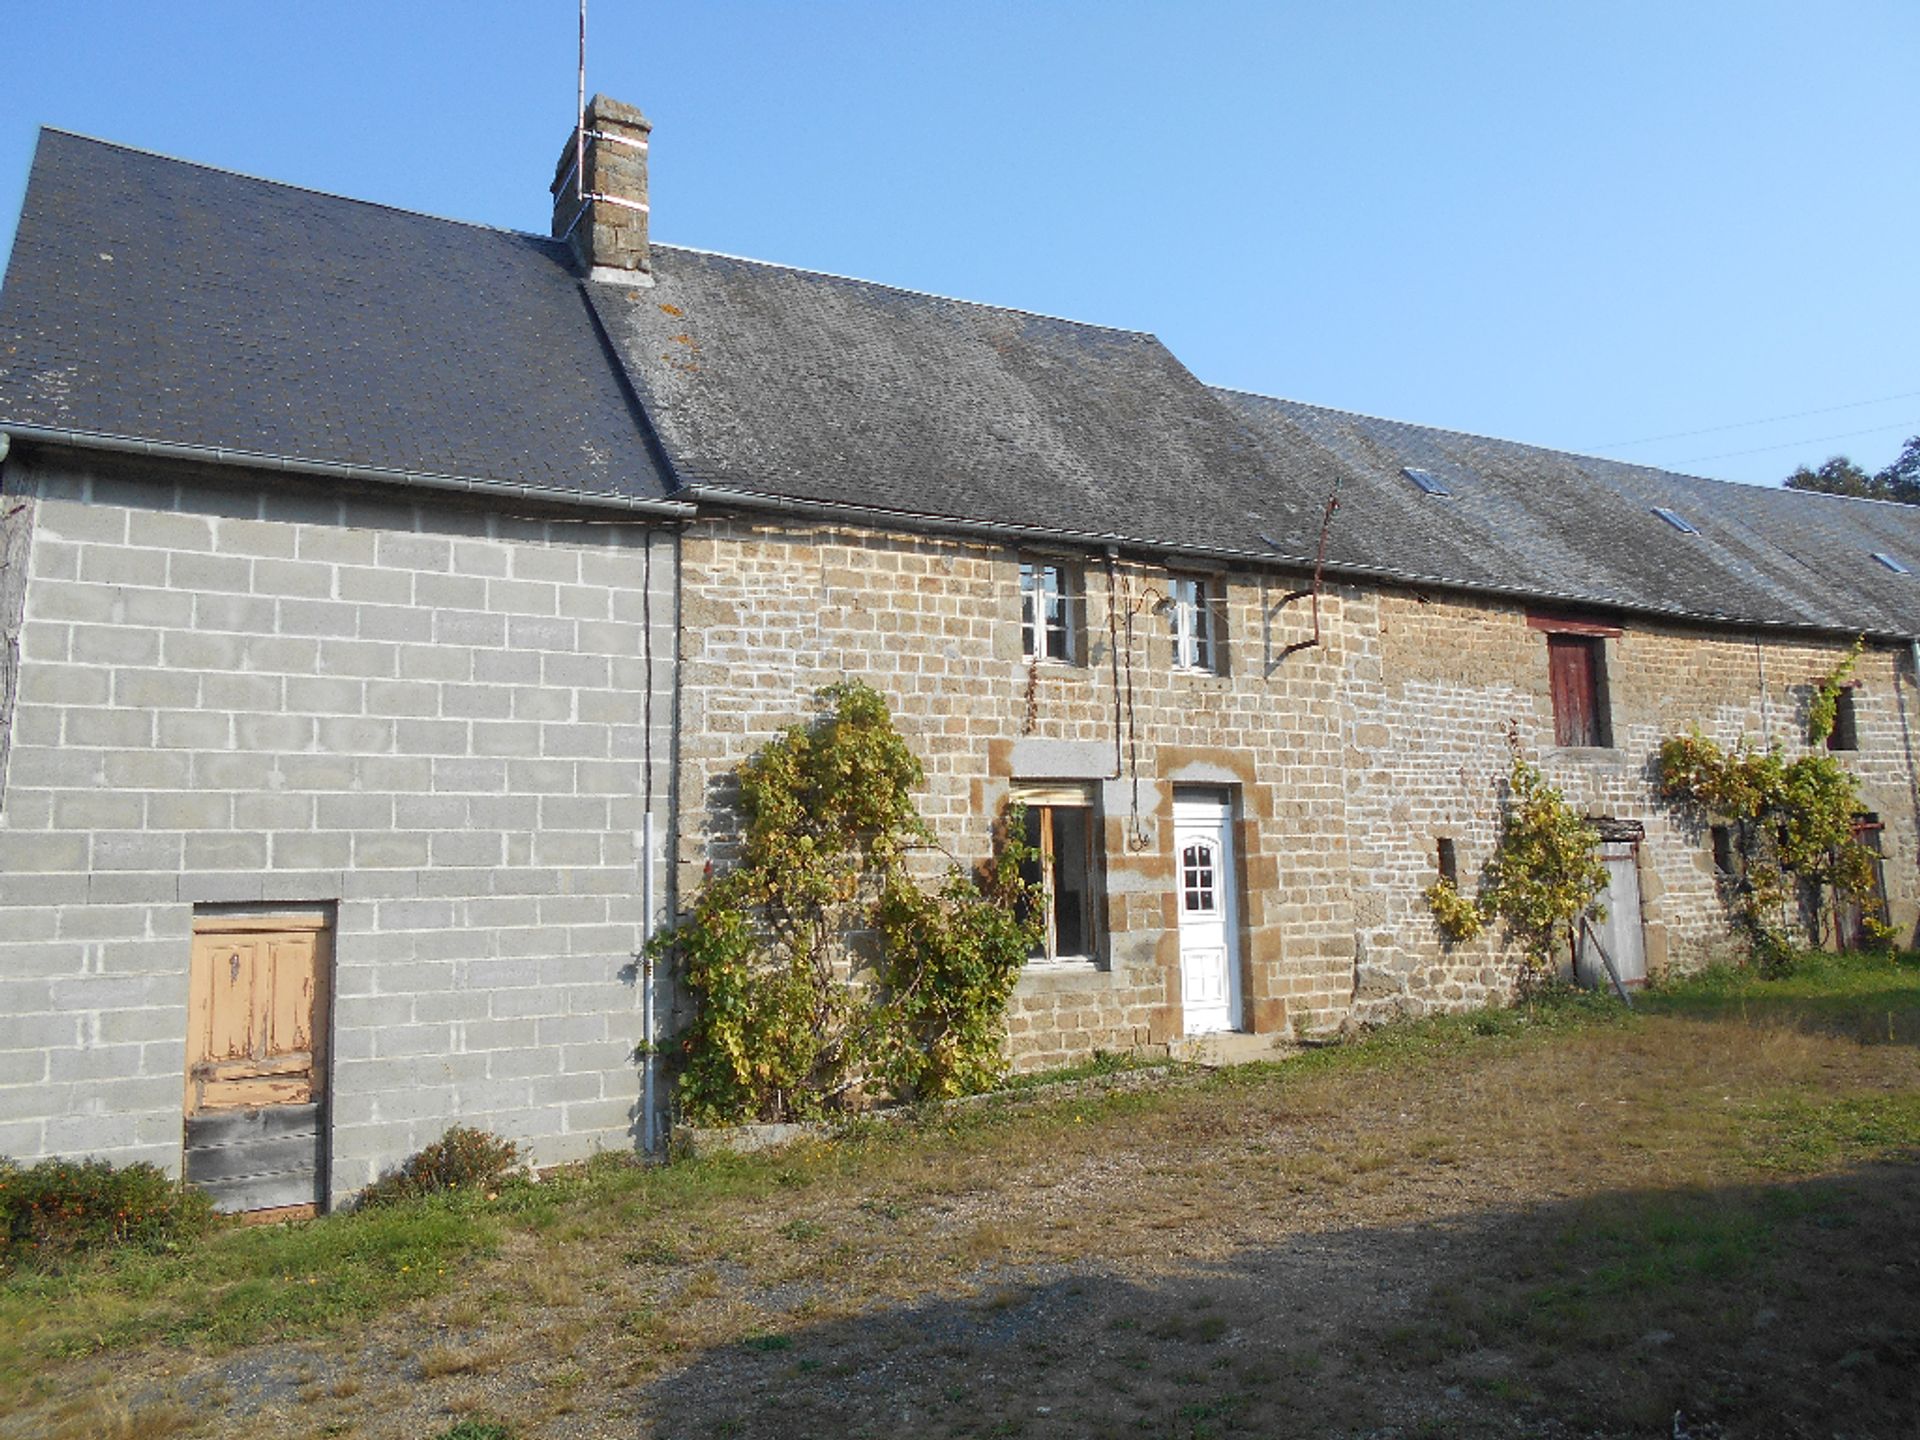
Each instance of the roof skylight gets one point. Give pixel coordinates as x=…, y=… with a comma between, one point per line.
x=1891, y=563
x=1429, y=483
x=1675, y=519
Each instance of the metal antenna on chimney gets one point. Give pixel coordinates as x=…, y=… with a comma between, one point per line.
x=627, y=134
x=580, y=119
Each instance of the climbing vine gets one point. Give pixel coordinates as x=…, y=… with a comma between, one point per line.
x=1790, y=822
x=1546, y=870
x=1823, y=710
x=1544, y=874
x=819, y=967
x=949, y=961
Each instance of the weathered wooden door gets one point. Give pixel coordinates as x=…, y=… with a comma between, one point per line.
x=1851, y=912
x=1209, y=924
x=1571, y=673
x=256, y=1060
x=1620, y=932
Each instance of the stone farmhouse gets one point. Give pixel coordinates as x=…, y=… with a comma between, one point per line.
x=386, y=602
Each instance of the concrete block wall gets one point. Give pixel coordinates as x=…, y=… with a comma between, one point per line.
x=1428, y=754
x=431, y=717
x=773, y=613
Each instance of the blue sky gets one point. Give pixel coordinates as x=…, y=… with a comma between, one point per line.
x=1583, y=226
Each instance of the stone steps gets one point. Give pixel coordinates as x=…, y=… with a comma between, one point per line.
x=1231, y=1047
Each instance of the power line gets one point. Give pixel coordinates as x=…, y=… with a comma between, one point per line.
x=1749, y=424
x=1811, y=440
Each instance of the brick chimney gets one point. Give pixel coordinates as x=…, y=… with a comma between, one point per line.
x=608, y=228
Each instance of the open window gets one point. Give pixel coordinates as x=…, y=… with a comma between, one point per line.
x=1193, y=616
x=1729, y=865
x=1063, y=825
x=1845, y=734
x=1049, y=611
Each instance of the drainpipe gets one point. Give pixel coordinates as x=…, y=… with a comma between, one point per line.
x=1113, y=653
x=648, y=1130
x=1913, y=655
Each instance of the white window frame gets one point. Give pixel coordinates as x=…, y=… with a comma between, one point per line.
x=1190, y=615
x=1049, y=612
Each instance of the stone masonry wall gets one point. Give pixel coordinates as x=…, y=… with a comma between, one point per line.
x=1428, y=754
x=429, y=717
x=1346, y=761
x=772, y=614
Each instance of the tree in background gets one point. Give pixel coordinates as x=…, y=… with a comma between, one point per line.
x=1840, y=476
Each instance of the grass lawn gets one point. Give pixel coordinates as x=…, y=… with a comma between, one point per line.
x=1561, y=1219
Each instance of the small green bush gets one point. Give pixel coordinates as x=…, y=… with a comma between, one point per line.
x=460, y=1159
x=1458, y=917
x=61, y=1208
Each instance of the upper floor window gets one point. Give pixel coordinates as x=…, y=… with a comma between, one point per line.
x=1577, y=678
x=1190, y=611
x=1845, y=734
x=1049, y=604
x=1576, y=668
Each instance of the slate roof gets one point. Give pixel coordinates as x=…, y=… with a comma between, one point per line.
x=770, y=381
x=773, y=382
x=161, y=301
x=1578, y=530
x=157, y=300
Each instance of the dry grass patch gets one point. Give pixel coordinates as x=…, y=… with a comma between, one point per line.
x=990, y=1243
x=107, y=1417
x=440, y=1360
x=1452, y=1224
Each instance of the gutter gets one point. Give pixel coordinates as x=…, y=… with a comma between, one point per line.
x=1274, y=558
x=685, y=509
x=335, y=470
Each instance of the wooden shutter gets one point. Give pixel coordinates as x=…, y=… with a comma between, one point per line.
x=1575, y=699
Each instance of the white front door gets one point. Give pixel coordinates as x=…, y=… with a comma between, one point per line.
x=1209, y=924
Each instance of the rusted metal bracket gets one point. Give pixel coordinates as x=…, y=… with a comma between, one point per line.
x=1313, y=591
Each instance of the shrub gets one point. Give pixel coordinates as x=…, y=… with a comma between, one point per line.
x=60, y=1208
x=460, y=1159
x=1458, y=917
x=821, y=967
x=1546, y=871
x=1791, y=825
